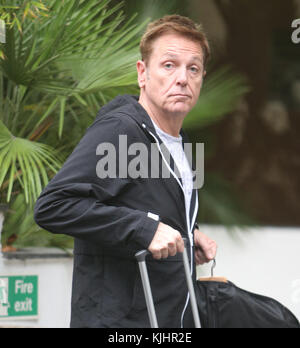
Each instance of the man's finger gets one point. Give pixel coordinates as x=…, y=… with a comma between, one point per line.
x=156, y=255
x=180, y=244
x=200, y=257
x=172, y=249
x=164, y=253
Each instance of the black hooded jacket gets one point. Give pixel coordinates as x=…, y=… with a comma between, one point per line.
x=114, y=217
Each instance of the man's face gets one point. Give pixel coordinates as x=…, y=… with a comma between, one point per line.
x=172, y=79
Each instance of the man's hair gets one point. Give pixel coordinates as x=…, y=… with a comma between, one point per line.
x=174, y=24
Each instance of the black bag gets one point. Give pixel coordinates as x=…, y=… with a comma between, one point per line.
x=222, y=304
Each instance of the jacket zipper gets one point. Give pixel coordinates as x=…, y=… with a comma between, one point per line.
x=190, y=235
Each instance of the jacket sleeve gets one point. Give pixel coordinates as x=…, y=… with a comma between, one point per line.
x=76, y=201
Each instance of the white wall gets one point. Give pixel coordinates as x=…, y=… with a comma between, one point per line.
x=261, y=260
x=1, y=224
x=55, y=279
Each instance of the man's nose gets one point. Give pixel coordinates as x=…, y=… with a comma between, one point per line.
x=182, y=76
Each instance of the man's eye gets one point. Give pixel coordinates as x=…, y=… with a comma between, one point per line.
x=168, y=65
x=194, y=69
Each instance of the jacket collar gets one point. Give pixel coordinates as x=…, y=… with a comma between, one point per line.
x=141, y=116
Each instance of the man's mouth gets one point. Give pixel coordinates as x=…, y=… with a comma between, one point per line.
x=180, y=95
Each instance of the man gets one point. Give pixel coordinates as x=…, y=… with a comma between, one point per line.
x=114, y=216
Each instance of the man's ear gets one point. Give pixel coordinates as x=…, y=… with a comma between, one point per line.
x=141, y=70
x=204, y=73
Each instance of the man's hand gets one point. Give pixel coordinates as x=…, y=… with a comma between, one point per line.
x=205, y=248
x=166, y=242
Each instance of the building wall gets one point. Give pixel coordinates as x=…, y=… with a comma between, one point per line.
x=55, y=280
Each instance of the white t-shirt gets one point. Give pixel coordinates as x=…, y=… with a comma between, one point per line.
x=174, y=145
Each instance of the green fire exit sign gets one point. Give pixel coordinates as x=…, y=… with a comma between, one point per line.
x=19, y=297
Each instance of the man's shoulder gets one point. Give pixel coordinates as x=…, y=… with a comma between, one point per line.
x=119, y=118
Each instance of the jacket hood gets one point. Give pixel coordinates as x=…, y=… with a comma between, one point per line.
x=116, y=103
x=129, y=105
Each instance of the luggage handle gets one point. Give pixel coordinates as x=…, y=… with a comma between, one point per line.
x=141, y=258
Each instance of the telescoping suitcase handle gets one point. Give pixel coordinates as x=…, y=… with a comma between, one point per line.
x=141, y=258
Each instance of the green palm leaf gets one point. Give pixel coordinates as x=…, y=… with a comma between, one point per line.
x=67, y=63
x=83, y=33
x=24, y=162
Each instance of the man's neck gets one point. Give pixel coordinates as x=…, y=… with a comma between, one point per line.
x=170, y=124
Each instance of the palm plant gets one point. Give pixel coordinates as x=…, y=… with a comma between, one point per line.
x=56, y=72
x=59, y=69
